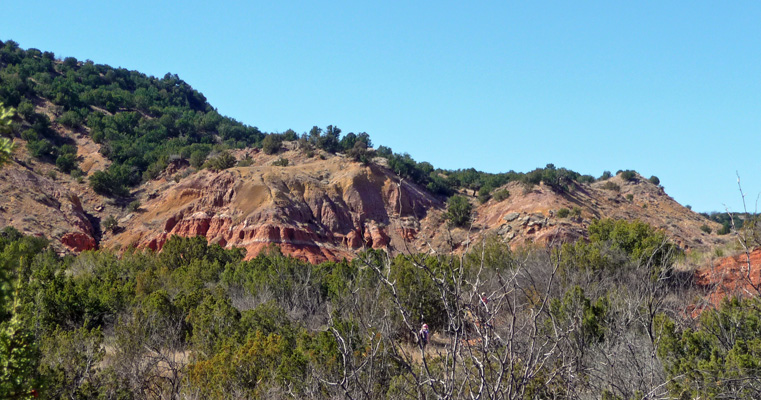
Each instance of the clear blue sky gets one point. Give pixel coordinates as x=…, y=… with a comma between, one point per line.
x=671, y=89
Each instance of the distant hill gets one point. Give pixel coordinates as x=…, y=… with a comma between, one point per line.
x=108, y=157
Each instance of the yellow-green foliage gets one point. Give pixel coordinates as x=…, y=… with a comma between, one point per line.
x=6, y=146
x=720, y=358
x=247, y=370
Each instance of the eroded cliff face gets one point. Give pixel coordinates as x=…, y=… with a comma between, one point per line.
x=326, y=207
x=40, y=205
x=313, y=209
x=318, y=208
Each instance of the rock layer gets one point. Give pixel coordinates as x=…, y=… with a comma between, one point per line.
x=320, y=208
x=316, y=210
x=40, y=205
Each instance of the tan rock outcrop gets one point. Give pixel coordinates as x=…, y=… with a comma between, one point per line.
x=316, y=210
x=39, y=205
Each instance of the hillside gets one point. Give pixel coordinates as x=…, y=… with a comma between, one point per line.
x=95, y=142
x=318, y=265
x=533, y=215
x=322, y=209
x=312, y=208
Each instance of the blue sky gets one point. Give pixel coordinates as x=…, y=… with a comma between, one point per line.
x=671, y=89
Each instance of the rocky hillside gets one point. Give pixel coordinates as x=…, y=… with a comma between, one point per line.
x=535, y=214
x=113, y=158
x=312, y=208
x=323, y=207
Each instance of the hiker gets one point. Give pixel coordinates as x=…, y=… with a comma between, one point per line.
x=424, y=333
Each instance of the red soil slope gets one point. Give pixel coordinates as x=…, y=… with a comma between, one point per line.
x=729, y=276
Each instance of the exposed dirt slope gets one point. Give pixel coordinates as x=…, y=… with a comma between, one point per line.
x=532, y=215
x=39, y=200
x=318, y=208
x=328, y=209
x=39, y=205
x=312, y=208
x=730, y=276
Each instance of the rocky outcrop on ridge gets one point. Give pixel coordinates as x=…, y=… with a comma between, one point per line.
x=324, y=207
x=533, y=214
x=314, y=209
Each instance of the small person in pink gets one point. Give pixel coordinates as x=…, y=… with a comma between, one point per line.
x=424, y=335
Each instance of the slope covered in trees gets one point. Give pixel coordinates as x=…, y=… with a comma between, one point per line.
x=606, y=317
x=142, y=123
x=610, y=317
x=138, y=137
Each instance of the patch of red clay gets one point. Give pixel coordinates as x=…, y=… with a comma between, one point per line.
x=729, y=276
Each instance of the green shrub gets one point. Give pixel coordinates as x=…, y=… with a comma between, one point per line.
x=29, y=135
x=26, y=110
x=280, y=162
x=134, y=206
x=718, y=355
x=108, y=184
x=154, y=170
x=563, y=213
x=110, y=224
x=501, y=195
x=629, y=175
x=418, y=289
x=458, y=211
x=42, y=148
x=654, y=180
x=605, y=176
x=197, y=158
x=271, y=144
x=221, y=162
x=630, y=197
x=611, y=186
x=636, y=238
x=71, y=119
x=705, y=228
x=484, y=194
x=246, y=162
x=66, y=162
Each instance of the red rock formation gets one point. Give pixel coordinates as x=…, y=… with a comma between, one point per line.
x=353, y=240
x=329, y=209
x=77, y=241
x=377, y=237
x=730, y=276
x=311, y=213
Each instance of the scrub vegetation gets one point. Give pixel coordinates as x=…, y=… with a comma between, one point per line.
x=609, y=316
